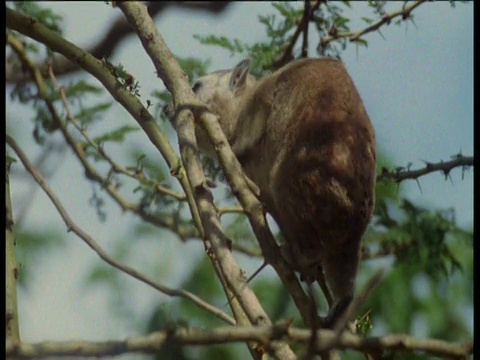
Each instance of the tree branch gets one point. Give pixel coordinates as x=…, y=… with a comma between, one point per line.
x=265, y=335
x=353, y=36
x=71, y=226
x=400, y=173
x=78, y=149
x=255, y=213
x=244, y=304
x=307, y=11
x=182, y=232
x=302, y=26
x=106, y=46
x=117, y=168
x=11, y=267
x=30, y=27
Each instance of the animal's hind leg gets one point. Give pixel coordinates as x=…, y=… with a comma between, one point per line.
x=326, y=291
x=340, y=272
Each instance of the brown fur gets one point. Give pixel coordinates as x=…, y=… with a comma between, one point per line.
x=304, y=137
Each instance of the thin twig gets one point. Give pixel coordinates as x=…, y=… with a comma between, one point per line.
x=32, y=28
x=386, y=19
x=357, y=303
x=305, y=20
x=38, y=163
x=288, y=53
x=71, y=226
x=90, y=171
x=117, y=168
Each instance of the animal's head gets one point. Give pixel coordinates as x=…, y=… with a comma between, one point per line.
x=223, y=93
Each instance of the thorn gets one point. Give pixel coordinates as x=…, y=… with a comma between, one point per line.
x=457, y=156
x=413, y=22
x=249, y=279
x=382, y=35
x=450, y=177
x=418, y=183
x=257, y=272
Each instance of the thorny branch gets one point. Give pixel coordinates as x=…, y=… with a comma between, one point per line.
x=332, y=33
x=72, y=226
x=353, y=36
x=400, y=173
x=265, y=334
x=301, y=28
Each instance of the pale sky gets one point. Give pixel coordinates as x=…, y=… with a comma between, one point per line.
x=417, y=86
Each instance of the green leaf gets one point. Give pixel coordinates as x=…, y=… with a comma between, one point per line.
x=341, y=21
x=45, y=16
x=221, y=41
x=93, y=113
x=117, y=135
x=362, y=42
x=367, y=20
x=34, y=244
x=285, y=9
x=80, y=88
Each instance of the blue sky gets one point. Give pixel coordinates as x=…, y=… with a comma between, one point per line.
x=417, y=85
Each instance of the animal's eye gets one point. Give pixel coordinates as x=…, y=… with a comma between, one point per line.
x=196, y=86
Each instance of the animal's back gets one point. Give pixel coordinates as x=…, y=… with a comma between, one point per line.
x=323, y=173
x=303, y=136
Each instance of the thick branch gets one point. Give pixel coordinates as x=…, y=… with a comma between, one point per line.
x=216, y=242
x=11, y=267
x=78, y=149
x=72, y=226
x=262, y=334
x=183, y=232
x=32, y=28
x=113, y=37
x=184, y=100
x=254, y=210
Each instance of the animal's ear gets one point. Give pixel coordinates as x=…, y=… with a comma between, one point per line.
x=239, y=75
